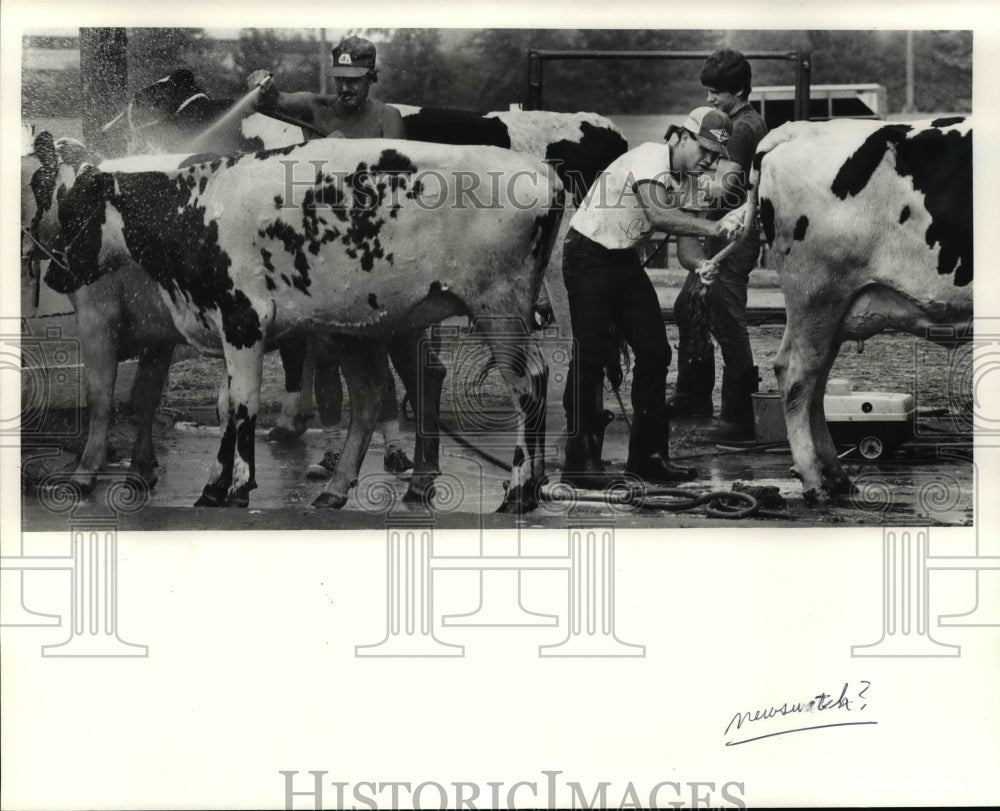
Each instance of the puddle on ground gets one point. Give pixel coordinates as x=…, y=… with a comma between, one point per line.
x=900, y=491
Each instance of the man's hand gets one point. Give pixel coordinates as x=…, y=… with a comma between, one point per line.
x=707, y=271
x=731, y=226
x=258, y=78
x=262, y=81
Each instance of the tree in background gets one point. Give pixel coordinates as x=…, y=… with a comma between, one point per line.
x=152, y=53
x=293, y=58
x=484, y=69
x=942, y=62
x=943, y=70
x=413, y=68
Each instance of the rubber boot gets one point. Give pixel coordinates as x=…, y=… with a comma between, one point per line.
x=649, y=451
x=735, y=423
x=695, y=381
x=584, y=467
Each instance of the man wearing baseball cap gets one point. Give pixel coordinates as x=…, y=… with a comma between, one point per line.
x=726, y=76
x=349, y=113
x=641, y=192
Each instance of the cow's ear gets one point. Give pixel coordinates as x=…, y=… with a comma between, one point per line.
x=45, y=150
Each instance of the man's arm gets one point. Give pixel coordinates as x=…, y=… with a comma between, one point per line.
x=663, y=210
x=392, y=123
x=726, y=180
x=300, y=105
x=690, y=252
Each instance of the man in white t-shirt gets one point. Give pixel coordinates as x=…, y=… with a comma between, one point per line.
x=641, y=192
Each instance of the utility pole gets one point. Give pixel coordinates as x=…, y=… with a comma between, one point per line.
x=324, y=54
x=909, y=106
x=103, y=79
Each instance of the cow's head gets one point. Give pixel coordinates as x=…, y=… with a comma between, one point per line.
x=71, y=198
x=164, y=98
x=148, y=124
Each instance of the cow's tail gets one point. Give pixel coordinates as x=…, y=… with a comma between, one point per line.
x=553, y=216
x=748, y=211
x=768, y=142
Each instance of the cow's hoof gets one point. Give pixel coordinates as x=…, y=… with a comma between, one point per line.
x=519, y=500
x=147, y=473
x=326, y=501
x=818, y=497
x=213, y=495
x=58, y=491
x=420, y=496
x=239, y=498
x=283, y=435
x=210, y=499
x=70, y=483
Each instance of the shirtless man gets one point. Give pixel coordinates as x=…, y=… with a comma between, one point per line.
x=349, y=113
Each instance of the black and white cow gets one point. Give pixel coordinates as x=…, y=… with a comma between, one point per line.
x=175, y=110
x=577, y=145
x=370, y=241
x=869, y=226
x=119, y=316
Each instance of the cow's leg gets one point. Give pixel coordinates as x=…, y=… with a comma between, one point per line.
x=526, y=375
x=801, y=366
x=99, y=353
x=154, y=364
x=835, y=479
x=296, y=406
x=245, y=367
x=359, y=361
x=220, y=475
x=416, y=360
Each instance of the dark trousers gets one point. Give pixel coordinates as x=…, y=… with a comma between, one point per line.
x=404, y=350
x=727, y=301
x=611, y=288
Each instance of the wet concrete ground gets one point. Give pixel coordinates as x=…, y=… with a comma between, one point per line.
x=915, y=488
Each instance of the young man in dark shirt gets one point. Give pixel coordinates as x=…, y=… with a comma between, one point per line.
x=726, y=76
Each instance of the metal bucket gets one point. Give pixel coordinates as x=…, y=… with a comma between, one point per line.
x=769, y=417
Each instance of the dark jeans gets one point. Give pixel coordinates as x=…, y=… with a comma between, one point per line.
x=403, y=350
x=727, y=298
x=610, y=287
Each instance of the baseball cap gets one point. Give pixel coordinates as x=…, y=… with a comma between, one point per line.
x=353, y=57
x=711, y=127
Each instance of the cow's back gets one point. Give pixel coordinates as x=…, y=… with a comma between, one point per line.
x=350, y=233
x=845, y=205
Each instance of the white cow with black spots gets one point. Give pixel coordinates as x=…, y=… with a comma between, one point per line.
x=373, y=243
x=869, y=226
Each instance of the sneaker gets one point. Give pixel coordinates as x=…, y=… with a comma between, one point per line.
x=323, y=469
x=397, y=462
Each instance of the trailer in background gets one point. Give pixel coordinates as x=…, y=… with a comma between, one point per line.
x=777, y=104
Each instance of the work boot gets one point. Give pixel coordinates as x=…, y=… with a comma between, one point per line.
x=396, y=461
x=735, y=423
x=323, y=469
x=649, y=451
x=695, y=380
x=584, y=467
